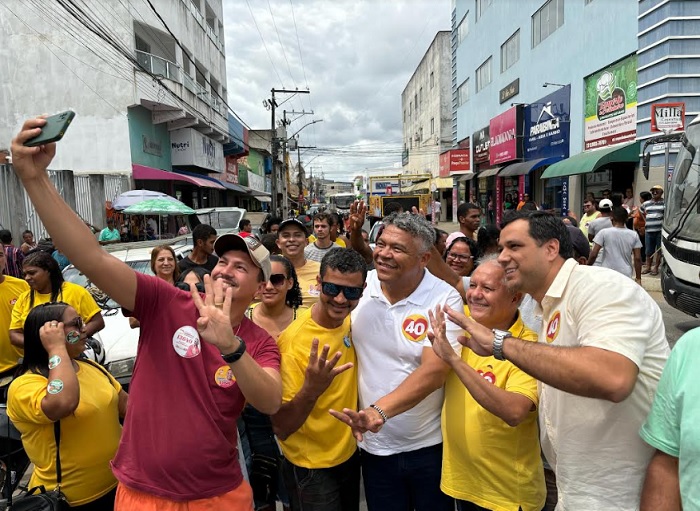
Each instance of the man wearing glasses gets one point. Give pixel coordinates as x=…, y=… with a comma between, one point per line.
x=322, y=465
x=400, y=377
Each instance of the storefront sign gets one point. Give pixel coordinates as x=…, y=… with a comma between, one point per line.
x=152, y=146
x=482, y=144
x=455, y=161
x=667, y=117
x=383, y=186
x=256, y=182
x=547, y=125
x=510, y=90
x=190, y=147
x=565, y=196
x=504, y=132
x=611, y=105
x=231, y=171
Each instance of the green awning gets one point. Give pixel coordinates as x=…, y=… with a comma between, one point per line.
x=590, y=161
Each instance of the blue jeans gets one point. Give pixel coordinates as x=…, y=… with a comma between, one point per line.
x=405, y=481
x=324, y=489
x=652, y=240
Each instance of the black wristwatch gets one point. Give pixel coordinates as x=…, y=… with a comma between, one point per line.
x=230, y=358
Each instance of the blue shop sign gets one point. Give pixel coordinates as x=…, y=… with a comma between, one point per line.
x=547, y=125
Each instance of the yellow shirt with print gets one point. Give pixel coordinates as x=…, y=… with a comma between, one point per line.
x=74, y=295
x=338, y=241
x=306, y=275
x=10, y=291
x=89, y=436
x=322, y=441
x=485, y=461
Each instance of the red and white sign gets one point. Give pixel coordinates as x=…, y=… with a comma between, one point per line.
x=503, y=134
x=455, y=161
x=388, y=190
x=667, y=117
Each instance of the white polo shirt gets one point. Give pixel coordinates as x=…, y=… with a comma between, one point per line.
x=593, y=445
x=389, y=342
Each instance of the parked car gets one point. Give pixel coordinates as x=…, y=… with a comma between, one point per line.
x=226, y=219
x=119, y=340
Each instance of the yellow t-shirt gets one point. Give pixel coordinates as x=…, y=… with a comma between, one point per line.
x=306, y=275
x=338, y=241
x=10, y=290
x=485, y=461
x=74, y=295
x=89, y=436
x=322, y=441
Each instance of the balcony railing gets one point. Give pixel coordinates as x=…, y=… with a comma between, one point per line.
x=159, y=66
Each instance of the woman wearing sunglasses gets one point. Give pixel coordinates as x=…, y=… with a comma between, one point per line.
x=280, y=302
x=54, y=385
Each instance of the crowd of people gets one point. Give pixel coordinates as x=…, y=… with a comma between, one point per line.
x=488, y=369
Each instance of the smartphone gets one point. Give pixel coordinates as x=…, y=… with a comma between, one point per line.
x=53, y=130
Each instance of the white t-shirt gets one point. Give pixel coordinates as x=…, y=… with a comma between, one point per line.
x=618, y=243
x=593, y=445
x=389, y=342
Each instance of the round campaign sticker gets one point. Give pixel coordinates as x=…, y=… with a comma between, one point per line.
x=55, y=386
x=186, y=342
x=224, y=377
x=415, y=327
x=553, y=327
x=13, y=301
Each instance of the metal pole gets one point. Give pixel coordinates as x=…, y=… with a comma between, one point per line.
x=273, y=146
x=666, y=162
x=300, y=177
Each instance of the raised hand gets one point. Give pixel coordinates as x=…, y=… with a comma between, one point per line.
x=320, y=372
x=31, y=162
x=438, y=336
x=214, y=322
x=358, y=212
x=52, y=335
x=480, y=338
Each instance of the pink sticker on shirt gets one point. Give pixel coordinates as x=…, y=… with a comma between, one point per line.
x=224, y=377
x=186, y=342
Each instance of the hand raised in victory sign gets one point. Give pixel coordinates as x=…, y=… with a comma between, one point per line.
x=358, y=212
x=438, y=336
x=480, y=339
x=214, y=322
x=320, y=372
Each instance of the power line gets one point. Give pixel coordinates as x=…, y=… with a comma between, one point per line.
x=284, y=53
x=265, y=45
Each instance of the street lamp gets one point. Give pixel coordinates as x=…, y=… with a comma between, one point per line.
x=304, y=126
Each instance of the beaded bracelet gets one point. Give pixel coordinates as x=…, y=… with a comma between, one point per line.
x=380, y=412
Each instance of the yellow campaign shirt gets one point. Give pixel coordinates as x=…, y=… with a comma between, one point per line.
x=322, y=441
x=10, y=290
x=74, y=295
x=486, y=461
x=89, y=436
x=338, y=241
x=306, y=275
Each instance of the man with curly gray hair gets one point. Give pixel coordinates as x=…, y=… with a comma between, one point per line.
x=399, y=375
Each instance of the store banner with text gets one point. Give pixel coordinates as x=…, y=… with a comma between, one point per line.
x=482, y=144
x=611, y=105
x=504, y=132
x=547, y=125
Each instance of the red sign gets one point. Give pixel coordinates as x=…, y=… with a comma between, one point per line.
x=455, y=161
x=388, y=190
x=231, y=170
x=503, y=131
x=667, y=117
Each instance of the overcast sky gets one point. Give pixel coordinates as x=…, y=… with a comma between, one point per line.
x=354, y=56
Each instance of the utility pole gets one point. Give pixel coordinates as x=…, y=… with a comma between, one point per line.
x=274, y=145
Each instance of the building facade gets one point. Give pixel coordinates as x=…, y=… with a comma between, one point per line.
x=525, y=99
x=148, y=89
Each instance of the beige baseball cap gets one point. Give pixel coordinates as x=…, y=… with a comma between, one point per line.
x=258, y=253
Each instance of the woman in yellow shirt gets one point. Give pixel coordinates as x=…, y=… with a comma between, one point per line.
x=55, y=386
x=46, y=284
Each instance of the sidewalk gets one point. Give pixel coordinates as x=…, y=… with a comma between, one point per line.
x=649, y=282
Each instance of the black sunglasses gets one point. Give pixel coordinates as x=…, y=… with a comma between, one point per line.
x=277, y=279
x=333, y=290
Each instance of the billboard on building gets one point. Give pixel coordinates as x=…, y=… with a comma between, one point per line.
x=504, y=131
x=547, y=125
x=190, y=147
x=482, y=144
x=611, y=105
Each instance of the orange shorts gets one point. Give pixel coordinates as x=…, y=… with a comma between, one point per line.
x=240, y=499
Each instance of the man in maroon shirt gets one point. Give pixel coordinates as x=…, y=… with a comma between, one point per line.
x=199, y=358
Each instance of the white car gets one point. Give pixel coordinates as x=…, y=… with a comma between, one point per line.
x=119, y=340
x=226, y=219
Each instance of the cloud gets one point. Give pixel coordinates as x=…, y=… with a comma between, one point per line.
x=357, y=58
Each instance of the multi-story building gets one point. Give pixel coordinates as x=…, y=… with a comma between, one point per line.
x=148, y=87
x=545, y=98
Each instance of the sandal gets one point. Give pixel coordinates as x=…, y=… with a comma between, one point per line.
x=645, y=271
x=654, y=273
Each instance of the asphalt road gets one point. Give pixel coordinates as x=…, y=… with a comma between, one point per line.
x=677, y=323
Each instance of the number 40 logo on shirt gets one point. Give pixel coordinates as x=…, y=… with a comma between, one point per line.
x=415, y=327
